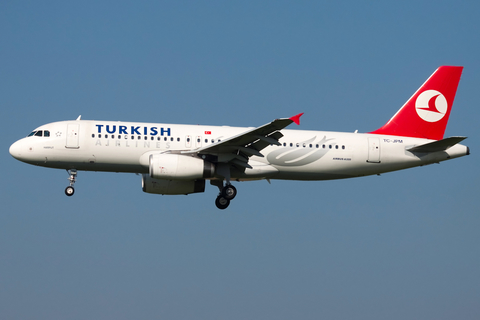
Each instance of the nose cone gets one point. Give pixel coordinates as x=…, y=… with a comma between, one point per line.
x=21, y=150
x=16, y=150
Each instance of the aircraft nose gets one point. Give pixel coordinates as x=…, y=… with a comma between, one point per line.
x=16, y=150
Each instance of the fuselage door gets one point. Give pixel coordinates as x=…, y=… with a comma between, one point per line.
x=373, y=150
x=73, y=136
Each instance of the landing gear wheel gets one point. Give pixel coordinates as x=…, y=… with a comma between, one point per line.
x=69, y=191
x=229, y=192
x=221, y=202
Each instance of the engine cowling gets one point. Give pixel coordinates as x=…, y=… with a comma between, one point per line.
x=175, y=166
x=171, y=187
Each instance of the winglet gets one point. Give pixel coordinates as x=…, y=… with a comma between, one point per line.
x=296, y=118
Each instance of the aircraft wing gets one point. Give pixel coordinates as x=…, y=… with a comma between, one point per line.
x=239, y=148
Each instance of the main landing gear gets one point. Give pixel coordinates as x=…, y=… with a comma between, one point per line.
x=227, y=193
x=69, y=191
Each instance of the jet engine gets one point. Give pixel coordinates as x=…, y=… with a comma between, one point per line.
x=171, y=187
x=179, y=167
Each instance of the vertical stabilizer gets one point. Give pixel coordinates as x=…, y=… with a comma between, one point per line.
x=426, y=113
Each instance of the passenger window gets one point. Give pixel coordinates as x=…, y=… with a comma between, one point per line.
x=336, y=147
x=316, y=146
x=310, y=145
x=99, y=135
x=206, y=140
x=178, y=139
x=343, y=147
x=171, y=139
x=323, y=146
x=93, y=135
x=330, y=146
x=106, y=136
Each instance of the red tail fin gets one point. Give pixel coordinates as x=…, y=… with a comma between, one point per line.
x=425, y=114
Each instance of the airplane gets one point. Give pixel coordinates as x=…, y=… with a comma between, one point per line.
x=175, y=159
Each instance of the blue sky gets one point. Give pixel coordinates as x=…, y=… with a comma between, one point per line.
x=402, y=245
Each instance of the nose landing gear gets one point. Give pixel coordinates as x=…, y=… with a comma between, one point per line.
x=69, y=191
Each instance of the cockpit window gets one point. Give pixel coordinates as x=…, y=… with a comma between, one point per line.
x=40, y=133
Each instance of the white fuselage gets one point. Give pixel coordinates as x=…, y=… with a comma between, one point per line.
x=303, y=155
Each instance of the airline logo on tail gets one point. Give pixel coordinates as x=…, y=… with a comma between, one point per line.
x=431, y=105
x=425, y=114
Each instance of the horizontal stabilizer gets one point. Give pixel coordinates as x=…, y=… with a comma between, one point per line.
x=440, y=145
